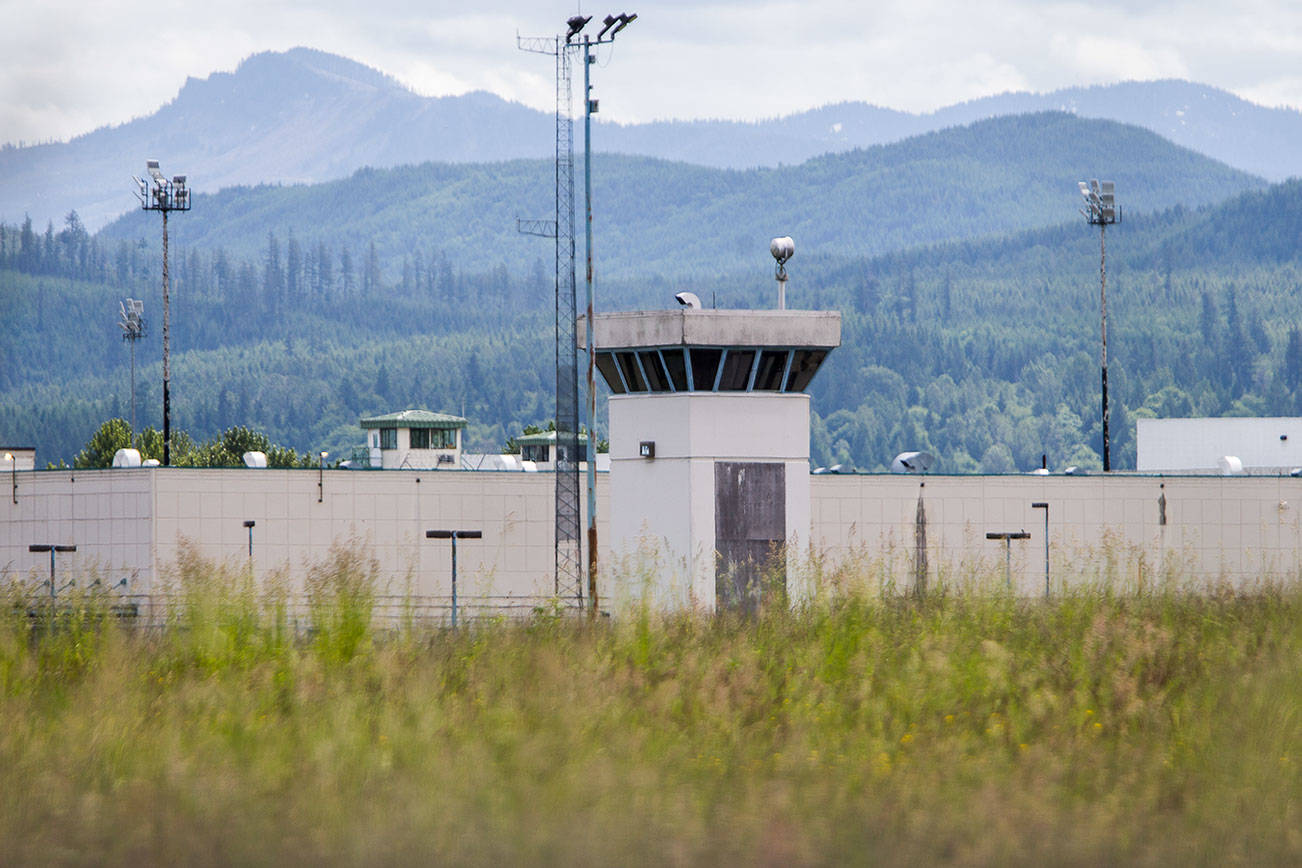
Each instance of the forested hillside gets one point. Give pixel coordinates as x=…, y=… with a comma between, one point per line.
x=657, y=220
x=985, y=352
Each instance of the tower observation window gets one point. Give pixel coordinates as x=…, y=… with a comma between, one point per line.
x=803, y=367
x=736, y=370
x=705, y=365
x=610, y=372
x=772, y=365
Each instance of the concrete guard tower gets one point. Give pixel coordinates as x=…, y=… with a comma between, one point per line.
x=709, y=448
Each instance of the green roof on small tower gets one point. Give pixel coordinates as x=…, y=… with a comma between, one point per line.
x=414, y=419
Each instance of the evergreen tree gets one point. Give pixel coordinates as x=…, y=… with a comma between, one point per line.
x=273, y=275
x=293, y=270
x=1293, y=360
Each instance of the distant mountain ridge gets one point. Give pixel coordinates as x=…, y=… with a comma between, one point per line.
x=669, y=219
x=306, y=116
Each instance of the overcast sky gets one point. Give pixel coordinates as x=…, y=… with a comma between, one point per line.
x=73, y=65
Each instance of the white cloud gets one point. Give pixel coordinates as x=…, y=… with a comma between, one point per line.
x=71, y=65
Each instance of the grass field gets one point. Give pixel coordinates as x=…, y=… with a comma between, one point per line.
x=972, y=728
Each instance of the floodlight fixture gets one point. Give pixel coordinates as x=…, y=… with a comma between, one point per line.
x=624, y=21
x=1101, y=210
x=608, y=22
x=575, y=24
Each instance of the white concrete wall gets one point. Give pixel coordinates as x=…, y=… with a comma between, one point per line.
x=1174, y=445
x=1237, y=530
x=662, y=509
x=130, y=523
x=108, y=515
x=135, y=522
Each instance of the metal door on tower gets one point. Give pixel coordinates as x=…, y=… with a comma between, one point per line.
x=750, y=524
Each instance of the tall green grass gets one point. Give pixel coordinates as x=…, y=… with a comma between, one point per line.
x=969, y=728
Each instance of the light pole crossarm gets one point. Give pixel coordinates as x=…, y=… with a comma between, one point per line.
x=454, y=535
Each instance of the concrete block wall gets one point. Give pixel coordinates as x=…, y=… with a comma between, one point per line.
x=134, y=523
x=1235, y=530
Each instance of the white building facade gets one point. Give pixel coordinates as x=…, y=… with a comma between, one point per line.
x=1200, y=445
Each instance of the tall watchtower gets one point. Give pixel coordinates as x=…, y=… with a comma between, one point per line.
x=709, y=447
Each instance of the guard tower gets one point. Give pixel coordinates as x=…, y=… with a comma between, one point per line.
x=709, y=447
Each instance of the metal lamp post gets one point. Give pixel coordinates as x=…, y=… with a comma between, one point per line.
x=13, y=472
x=568, y=550
x=611, y=25
x=320, y=479
x=454, y=535
x=52, y=549
x=249, y=525
x=1101, y=210
x=1044, y=506
x=164, y=196
x=1008, y=537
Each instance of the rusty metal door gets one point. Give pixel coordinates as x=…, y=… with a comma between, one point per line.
x=750, y=529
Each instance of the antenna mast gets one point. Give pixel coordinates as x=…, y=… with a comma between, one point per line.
x=569, y=555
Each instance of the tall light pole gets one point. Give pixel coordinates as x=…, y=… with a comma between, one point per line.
x=164, y=196
x=1101, y=210
x=133, y=329
x=611, y=25
x=249, y=525
x=454, y=535
x=13, y=472
x=562, y=229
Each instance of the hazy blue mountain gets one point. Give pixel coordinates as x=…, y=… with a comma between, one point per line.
x=656, y=217
x=307, y=116
x=293, y=117
x=1250, y=137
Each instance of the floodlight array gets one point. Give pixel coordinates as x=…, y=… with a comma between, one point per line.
x=1100, y=207
x=157, y=193
x=611, y=25
x=133, y=319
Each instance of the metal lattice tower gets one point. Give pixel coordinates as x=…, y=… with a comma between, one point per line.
x=569, y=578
